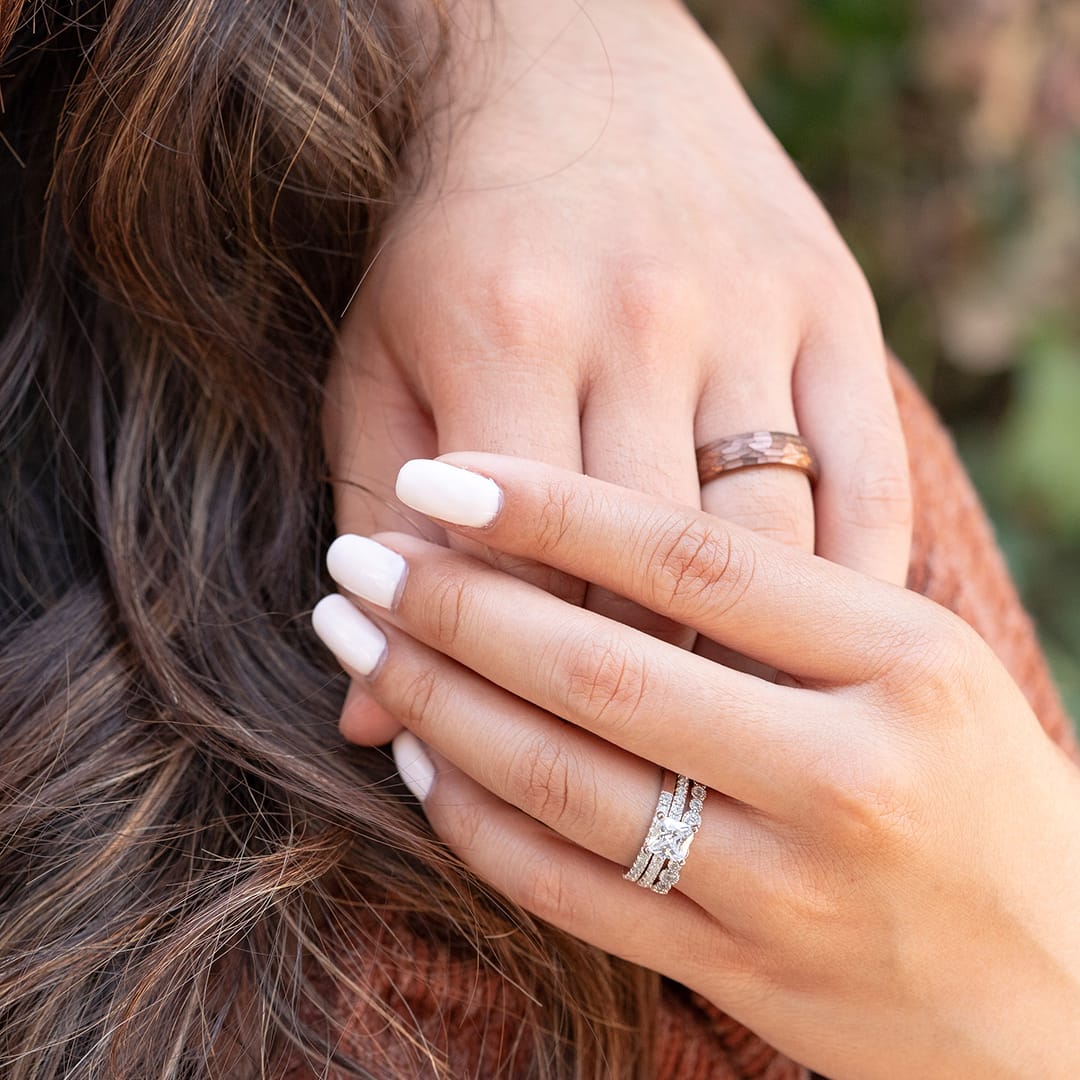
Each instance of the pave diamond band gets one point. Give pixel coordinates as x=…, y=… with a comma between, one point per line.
x=667, y=842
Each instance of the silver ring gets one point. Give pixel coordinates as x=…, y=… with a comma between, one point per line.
x=670, y=834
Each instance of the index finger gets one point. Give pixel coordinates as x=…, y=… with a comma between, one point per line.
x=785, y=608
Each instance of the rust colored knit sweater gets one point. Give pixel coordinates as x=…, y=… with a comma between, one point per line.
x=956, y=562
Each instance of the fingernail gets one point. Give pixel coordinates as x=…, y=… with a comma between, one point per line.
x=413, y=763
x=352, y=637
x=448, y=493
x=366, y=568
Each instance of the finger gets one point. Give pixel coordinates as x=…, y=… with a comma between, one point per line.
x=653, y=699
x=641, y=439
x=584, y=788
x=773, y=501
x=797, y=613
x=372, y=423
x=848, y=415
x=571, y=888
x=521, y=407
x=368, y=723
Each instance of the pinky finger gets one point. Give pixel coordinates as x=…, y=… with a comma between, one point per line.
x=364, y=718
x=846, y=411
x=561, y=883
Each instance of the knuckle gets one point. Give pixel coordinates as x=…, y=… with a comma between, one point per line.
x=697, y=566
x=804, y=892
x=651, y=298
x=896, y=652
x=922, y=660
x=444, y=606
x=547, y=782
x=515, y=306
x=945, y=679
x=417, y=696
x=857, y=287
x=604, y=682
x=545, y=889
x=879, y=497
x=843, y=291
x=869, y=801
x=562, y=505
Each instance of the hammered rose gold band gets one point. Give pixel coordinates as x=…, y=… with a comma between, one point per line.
x=753, y=449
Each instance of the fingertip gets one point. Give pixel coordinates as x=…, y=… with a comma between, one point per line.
x=364, y=721
x=449, y=492
x=413, y=763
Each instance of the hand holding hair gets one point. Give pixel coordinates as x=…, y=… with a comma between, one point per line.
x=885, y=877
x=607, y=260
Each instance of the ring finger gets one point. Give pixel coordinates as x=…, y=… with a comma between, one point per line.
x=577, y=891
x=775, y=501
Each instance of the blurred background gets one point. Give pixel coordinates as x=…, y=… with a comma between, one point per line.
x=944, y=138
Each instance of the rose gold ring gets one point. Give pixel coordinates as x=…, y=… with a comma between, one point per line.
x=753, y=449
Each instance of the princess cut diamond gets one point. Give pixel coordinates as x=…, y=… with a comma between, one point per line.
x=672, y=840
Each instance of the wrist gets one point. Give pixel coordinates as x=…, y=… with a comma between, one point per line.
x=1024, y=1021
x=542, y=84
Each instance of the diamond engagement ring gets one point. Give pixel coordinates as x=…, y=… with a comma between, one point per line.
x=668, y=840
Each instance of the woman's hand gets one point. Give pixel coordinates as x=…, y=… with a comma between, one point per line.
x=609, y=261
x=887, y=875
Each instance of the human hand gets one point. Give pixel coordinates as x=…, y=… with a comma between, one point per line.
x=611, y=260
x=887, y=874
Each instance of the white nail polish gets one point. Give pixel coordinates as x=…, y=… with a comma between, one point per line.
x=351, y=636
x=373, y=572
x=413, y=763
x=448, y=493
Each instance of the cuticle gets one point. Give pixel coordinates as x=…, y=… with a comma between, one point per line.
x=374, y=673
x=400, y=587
x=498, y=511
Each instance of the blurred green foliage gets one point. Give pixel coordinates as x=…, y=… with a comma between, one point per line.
x=944, y=137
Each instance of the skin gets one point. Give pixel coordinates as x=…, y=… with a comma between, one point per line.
x=607, y=259
x=886, y=879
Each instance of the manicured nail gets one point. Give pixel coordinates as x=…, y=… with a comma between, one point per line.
x=352, y=637
x=373, y=572
x=448, y=493
x=413, y=763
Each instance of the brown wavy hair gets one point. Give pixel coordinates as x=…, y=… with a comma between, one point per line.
x=186, y=845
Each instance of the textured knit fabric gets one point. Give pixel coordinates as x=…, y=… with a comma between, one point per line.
x=956, y=562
